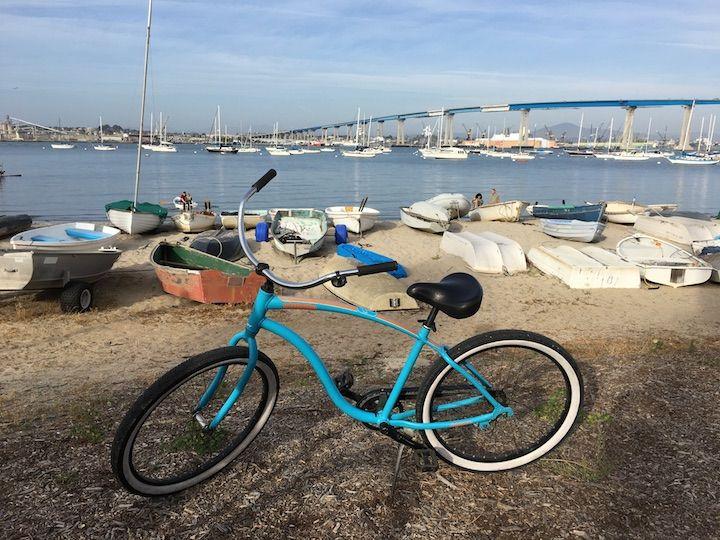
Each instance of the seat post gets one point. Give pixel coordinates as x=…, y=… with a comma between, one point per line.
x=430, y=321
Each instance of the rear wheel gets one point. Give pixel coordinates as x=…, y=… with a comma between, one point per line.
x=76, y=297
x=527, y=372
x=162, y=446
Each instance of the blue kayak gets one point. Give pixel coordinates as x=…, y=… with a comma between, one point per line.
x=366, y=256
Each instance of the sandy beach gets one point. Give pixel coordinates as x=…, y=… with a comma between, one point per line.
x=646, y=354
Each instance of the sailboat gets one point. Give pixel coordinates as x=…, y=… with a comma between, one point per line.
x=163, y=145
x=696, y=158
x=577, y=152
x=129, y=216
x=220, y=145
x=608, y=154
x=274, y=149
x=361, y=150
x=61, y=145
x=102, y=146
x=249, y=149
x=441, y=152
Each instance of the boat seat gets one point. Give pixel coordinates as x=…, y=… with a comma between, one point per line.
x=458, y=295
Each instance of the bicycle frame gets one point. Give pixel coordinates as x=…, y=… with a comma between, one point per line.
x=258, y=320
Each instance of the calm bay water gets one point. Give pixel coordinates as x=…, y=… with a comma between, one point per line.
x=70, y=184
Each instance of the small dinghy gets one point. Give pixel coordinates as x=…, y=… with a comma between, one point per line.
x=191, y=221
x=180, y=205
x=357, y=219
x=487, y=252
x=626, y=213
x=585, y=212
x=456, y=204
x=682, y=230
x=572, y=229
x=298, y=231
x=74, y=272
x=10, y=225
x=585, y=268
x=662, y=262
x=366, y=256
x=505, y=211
x=189, y=273
x=425, y=216
x=221, y=243
x=376, y=292
x=78, y=236
x=252, y=218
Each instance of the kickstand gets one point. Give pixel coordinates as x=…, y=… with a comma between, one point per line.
x=401, y=448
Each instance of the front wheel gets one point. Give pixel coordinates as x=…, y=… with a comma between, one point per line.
x=163, y=445
x=529, y=373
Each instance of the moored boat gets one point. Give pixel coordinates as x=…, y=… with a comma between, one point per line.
x=504, y=211
x=357, y=219
x=298, y=231
x=445, y=152
x=572, y=229
x=189, y=273
x=662, y=262
x=78, y=236
x=583, y=212
x=426, y=217
x=585, y=268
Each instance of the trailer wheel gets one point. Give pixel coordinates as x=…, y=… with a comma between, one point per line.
x=76, y=298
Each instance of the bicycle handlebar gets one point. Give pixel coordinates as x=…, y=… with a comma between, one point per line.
x=264, y=270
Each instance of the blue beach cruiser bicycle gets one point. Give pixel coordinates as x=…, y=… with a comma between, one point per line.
x=493, y=402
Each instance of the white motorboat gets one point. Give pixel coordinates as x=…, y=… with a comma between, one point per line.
x=78, y=236
x=426, y=217
x=662, y=262
x=445, y=152
x=585, y=268
x=521, y=157
x=504, y=211
x=277, y=151
x=62, y=146
x=456, y=204
x=191, y=221
x=298, y=231
x=131, y=216
x=572, y=229
x=252, y=218
x=357, y=219
x=678, y=229
x=486, y=252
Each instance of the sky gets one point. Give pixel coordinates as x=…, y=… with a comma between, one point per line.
x=311, y=62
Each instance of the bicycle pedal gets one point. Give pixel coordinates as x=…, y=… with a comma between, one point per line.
x=427, y=459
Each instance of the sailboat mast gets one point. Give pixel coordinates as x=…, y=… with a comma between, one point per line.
x=582, y=117
x=142, y=105
x=369, y=131
x=612, y=122
x=702, y=128
x=440, y=129
x=101, y=133
x=647, y=139
x=357, y=129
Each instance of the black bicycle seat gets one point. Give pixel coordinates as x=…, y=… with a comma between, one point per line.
x=457, y=295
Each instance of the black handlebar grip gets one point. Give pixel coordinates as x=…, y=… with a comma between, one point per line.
x=272, y=173
x=377, y=268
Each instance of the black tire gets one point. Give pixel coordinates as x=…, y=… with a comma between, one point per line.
x=142, y=475
x=546, y=400
x=77, y=298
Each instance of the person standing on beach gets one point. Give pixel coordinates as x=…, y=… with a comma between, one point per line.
x=494, y=197
x=477, y=201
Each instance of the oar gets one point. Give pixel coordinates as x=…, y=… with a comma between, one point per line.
x=10, y=175
x=363, y=203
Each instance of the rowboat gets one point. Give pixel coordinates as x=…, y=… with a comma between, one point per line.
x=426, y=217
x=572, y=229
x=222, y=243
x=504, y=211
x=357, y=219
x=252, y=218
x=662, y=262
x=489, y=253
x=626, y=213
x=376, y=292
x=585, y=268
x=682, y=230
x=456, y=204
x=75, y=272
x=189, y=273
x=78, y=236
x=298, y=231
x=135, y=219
x=14, y=224
x=191, y=221
x=584, y=212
